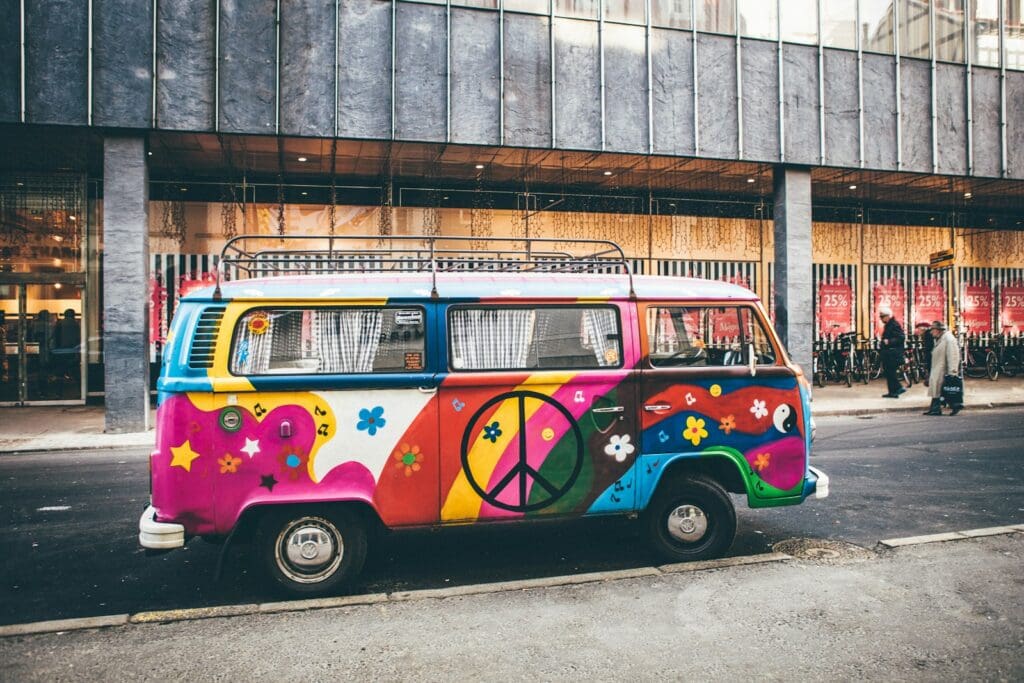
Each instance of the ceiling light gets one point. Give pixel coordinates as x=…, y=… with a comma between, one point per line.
x=183, y=189
x=607, y=172
x=444, y=197
x=479, y=167
x=56, y=285
x=21, y=184
x=57, y=238
x=73, y=218
x=149, y=154
x=304, y=194
x=751, y=180
x=303, y=159
x=967, y=195
x=853, y=187
x=57, y=262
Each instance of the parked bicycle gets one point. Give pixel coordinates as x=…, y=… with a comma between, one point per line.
x=979, y=357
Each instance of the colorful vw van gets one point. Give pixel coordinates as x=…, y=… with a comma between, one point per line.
x=305, y=408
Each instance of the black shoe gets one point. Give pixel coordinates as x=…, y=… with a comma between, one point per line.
x=901, y=391
x=890, y=395
x=956, y=409
x=933, y=412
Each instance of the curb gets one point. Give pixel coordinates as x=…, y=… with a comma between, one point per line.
x=854, y=412
x=224, y=611
x=29, y=449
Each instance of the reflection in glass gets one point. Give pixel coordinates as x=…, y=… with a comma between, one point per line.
x=915, y=28
x=1013, y=34
x=486, y=4
x=671, y=13
x=876, y=25
x=799, y=22
x=629, y=11
x=949, y=30
x=584, y=9
x=716, y=16
x=759, y=19
x=985, y=32
x=838, y=23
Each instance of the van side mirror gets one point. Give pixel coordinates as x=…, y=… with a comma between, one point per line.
x=752, y=359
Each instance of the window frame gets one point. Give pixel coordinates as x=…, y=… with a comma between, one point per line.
x=518, y=306
x=756, y=313
x=324, y=307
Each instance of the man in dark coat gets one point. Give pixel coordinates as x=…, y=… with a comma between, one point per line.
x=892, y=351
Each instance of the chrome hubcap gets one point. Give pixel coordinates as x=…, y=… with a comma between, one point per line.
x=687, y=523
x=309, y=550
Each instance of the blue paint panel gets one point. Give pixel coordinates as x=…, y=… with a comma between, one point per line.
x=619, y=497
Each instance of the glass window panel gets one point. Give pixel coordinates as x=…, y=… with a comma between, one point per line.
x=697, y=336
x=1013, y=34
x=839, y=23
x=876, y=25
x=584, y=9
x=628, y=11
x=671, y=13
x=716, y=16
x=915, y=28
x=949, y=30
x=486, y=4
x=985, y=32
x=759, y=19
x=532, y=6
x=800, y=21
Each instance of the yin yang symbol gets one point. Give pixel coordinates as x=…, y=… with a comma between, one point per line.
x=784, y=418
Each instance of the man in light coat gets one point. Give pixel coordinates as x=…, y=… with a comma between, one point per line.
x=945, y=361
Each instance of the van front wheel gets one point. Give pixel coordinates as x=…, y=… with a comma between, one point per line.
x=690, y=518
x=311, y=553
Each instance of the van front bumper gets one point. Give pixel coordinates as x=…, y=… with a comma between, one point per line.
x=816, y=483
x=154, y=535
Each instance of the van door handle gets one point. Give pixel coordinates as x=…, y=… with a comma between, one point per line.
x=427, y=390
x=610, y=409
x=655, y=407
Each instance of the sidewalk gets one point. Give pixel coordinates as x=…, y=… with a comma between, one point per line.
x=44, y=428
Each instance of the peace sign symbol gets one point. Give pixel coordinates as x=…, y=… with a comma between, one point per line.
x=522, y=473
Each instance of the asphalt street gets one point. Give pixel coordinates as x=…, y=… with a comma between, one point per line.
x=68, y=521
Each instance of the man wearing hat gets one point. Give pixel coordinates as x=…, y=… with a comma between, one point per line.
x=892, y=351
x=945, y=361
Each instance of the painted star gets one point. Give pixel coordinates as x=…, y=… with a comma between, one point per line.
x=182, y=456
x=252, y=447
x=268, y=481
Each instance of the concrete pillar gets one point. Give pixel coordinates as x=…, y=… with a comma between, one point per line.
x=126, y=283
x=794, y=286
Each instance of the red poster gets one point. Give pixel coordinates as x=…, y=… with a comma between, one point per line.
x=1011, y=308
x=726, y=325
x=889, y=293
x=157, y=300
x=929, y=302
x=835, y=307
x=195, y=281
x=976, y=308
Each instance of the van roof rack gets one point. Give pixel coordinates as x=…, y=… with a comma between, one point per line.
x=242, y=258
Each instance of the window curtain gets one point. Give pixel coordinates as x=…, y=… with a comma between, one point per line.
x=492, y=339
x=598, y=325
x=348, y=339
x=252, y=351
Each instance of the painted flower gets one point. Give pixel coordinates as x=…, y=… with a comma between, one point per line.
x=371, y=420
x=619, y=447
x=408, y=458
x=759, y=409
x=695, y=431
x=292, y=463
x=728, y=424
x=761, y=461
x=259, y=323
x=229, y=464
x=492, y=432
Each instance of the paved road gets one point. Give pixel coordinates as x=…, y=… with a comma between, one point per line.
x=891, y=476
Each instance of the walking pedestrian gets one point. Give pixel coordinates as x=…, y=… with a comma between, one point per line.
x=892, y=351
x=945, y=361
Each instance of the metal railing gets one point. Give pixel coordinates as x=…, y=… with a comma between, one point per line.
x=241, y=258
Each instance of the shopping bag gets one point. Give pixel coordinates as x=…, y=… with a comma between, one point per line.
x=952, y=390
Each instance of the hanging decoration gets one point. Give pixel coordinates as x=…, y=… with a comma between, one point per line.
x=384, y=216
x=228, y=196
x=481, y=213
x=432, y=212
x=332, y=209
x=173, y=224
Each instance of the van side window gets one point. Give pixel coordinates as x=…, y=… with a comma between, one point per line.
x=702, y=336
x=529, y=337
x=329, y=341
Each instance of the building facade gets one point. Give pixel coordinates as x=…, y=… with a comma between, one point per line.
x=816, y=151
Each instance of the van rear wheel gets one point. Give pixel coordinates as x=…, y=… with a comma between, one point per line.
x=312, y=552
x=690, y=518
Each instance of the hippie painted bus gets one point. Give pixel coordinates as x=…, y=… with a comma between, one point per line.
x=318, y=394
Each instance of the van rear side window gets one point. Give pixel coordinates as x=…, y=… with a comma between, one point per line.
x=706, y=336
x=531, y=337
x=329, y=341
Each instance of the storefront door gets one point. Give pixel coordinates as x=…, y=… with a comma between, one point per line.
x=41, y=343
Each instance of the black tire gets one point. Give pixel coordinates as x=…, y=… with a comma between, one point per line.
x=279, y=529
x=697, y=492
x=992, y=366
